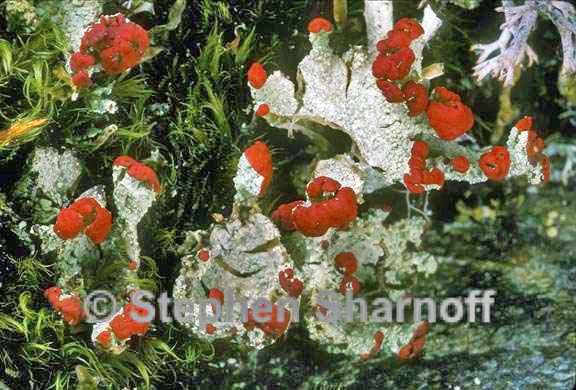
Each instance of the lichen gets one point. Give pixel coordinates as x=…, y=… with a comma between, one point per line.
x=341, y=93
x=58, y=173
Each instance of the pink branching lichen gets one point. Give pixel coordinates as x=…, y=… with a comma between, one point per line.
x=500, y=58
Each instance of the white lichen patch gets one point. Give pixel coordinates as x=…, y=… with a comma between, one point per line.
x=58, y=173
x=516, y=146
x=106, y=106
x=78, y=15
x=188, y=285
x=247, y=245
x=341, y=93
x=247, y=182
x=243, y=256
x=72, y=254
x=380, y=250
x=519, y=163
x=345, y=334
x=246, y=257
x=344, y=170
x=375, y=245
x=402, y=262
x=133, y=199
x=282, y=104
x=363, y=238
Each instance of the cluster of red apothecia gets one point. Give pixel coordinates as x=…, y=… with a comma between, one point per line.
x=535, y=147
x=347, y=263
x=290, y=283
x=496, y=163
x=122, y=325
x=416, y=344
x=114, y=43
x=274, y=327
x=84, y=215
x=332, y=206
x=139, y=171
x=69, y=307
x=419, y=175
x=447, y=115
x=260, y=159
x=394, y=63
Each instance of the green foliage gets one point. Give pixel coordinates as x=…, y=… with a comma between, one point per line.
x=32, y=66
x=126, y=89
x=37, y=344
x=174, y=18
x=32, y=271
x=205, y=130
